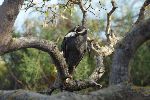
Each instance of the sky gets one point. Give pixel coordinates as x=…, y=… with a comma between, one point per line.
x=1, y=1
x=132, y=4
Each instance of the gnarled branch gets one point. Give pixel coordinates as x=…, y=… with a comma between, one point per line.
x=126, y=50
x=44, y=45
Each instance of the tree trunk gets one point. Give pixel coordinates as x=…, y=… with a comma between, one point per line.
x=125, y=51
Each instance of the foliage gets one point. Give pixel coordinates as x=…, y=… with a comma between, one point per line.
x=85, y=68
x=140, y=66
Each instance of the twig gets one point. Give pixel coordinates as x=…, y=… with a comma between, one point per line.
x=142, y=10
x=29, y=5
x=89, y=5
x=101, y=6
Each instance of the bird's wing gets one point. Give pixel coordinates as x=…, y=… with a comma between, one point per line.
x=80, y=58
x=64, y=48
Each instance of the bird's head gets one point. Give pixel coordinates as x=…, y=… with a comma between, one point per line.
x=80, y=30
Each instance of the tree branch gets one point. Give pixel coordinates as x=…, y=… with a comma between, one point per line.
x=72, y=85
x=117, y=92
x=100, y=52
x=77, y=85
x=126, y=50
x=44, y=45
x=99, y=70
x=8, y=13
x=81, y=6
x=142, y=10
x=84, y=12
x=108, y=29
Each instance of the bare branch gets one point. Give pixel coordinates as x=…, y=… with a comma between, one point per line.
x=84, y=12
x=105, y=50
x=100, y=52
x=109, y=19
x=142, y=10
x=99, y=70
x=89, y=4
x=29, y=5
x=44, y=45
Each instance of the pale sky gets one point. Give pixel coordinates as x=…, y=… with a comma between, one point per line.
x=132, y=4
x=1, y=1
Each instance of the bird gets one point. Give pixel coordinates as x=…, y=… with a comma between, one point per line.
x=74, y=46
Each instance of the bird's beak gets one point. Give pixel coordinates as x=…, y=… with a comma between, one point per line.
x=82, y=31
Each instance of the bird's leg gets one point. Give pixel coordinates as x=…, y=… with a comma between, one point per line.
x=71, y=71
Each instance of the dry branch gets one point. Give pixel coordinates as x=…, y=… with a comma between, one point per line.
x=103, y=51
x=142, y=10
x=108, y=29
x=99, y=70
x=83, y=9
x=84, y=12
x=100, y=52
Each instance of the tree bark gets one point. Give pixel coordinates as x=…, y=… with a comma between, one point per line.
x=44, y=45
x=125, y=51
x=8, y=13
x=117, y=92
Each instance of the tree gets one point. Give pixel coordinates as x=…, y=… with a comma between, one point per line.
x=125, y=49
